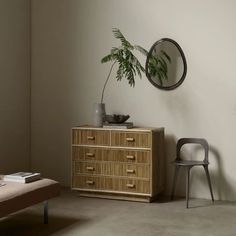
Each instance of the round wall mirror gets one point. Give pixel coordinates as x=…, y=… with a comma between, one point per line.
x=176, y=67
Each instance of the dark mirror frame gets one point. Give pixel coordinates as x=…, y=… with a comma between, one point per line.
x=180, y=81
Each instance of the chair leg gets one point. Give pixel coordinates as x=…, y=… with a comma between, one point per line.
x=174, y=182
x=45, y=211
x=209, y=181
x=187, y=185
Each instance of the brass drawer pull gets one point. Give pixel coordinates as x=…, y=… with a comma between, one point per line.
x=130, y=139
x=130, y=185
x=90, y=154
x=130, y=157
x=130, y=171
x=91, y=137
x=90, y=168
x=90, y=182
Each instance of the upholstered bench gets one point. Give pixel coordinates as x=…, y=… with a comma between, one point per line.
x=17, y=196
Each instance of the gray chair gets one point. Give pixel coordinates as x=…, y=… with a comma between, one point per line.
x=188, y=164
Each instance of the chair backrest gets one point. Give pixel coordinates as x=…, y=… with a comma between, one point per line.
x=200, y=141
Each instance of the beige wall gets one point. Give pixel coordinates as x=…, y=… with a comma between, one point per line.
x=71, y=36
x=15, y=86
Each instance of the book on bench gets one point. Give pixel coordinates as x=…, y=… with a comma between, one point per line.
x=22, y=177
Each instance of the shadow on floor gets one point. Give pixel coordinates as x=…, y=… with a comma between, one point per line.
x=26, y=224
x=166, y=199
x=193, y=202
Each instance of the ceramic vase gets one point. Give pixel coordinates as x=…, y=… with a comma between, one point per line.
x=99, y=113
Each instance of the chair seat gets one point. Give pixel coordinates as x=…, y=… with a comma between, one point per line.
x=190, y=163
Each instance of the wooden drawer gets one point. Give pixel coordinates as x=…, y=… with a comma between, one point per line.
x=111, y=184
x=87, y=153
x=116, y=155
x=112, y=169
x=91, y=168
x=131, y=139
x=129, y=156
x=91, y=137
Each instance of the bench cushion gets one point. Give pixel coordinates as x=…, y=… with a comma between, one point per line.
x=16, y=196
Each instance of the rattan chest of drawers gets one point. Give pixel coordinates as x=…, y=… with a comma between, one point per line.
x=117, y=163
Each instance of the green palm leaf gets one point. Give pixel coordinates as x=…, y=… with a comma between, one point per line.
x=118, y=35
x=141, y=49
x=107, y=58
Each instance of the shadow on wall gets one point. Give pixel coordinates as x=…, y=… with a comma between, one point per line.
x=170, y=155
x=220, y=184
x=222, y=189
x=170, y=150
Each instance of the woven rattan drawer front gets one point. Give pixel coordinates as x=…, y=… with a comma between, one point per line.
x=91, y=168
x=91, y=137
x=111, y=184
x=131, y=139
x=116, y=155
x=128, y=156
x=87, y=153
x=112, y=169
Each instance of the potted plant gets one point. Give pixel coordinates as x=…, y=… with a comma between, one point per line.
x=128, y=66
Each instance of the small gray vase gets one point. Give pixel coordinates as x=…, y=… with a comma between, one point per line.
x=99, y=114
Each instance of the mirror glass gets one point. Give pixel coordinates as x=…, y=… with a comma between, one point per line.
x=176, y=68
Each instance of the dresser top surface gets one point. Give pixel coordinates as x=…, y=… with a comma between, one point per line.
x=135, y=128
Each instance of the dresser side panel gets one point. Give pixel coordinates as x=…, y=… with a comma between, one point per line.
x=157, y=162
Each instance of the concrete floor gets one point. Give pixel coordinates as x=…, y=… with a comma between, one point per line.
x=72, y=215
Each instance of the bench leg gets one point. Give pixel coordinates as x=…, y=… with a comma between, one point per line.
x=45, y=213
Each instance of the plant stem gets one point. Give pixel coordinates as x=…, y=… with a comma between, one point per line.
x=107, y=81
